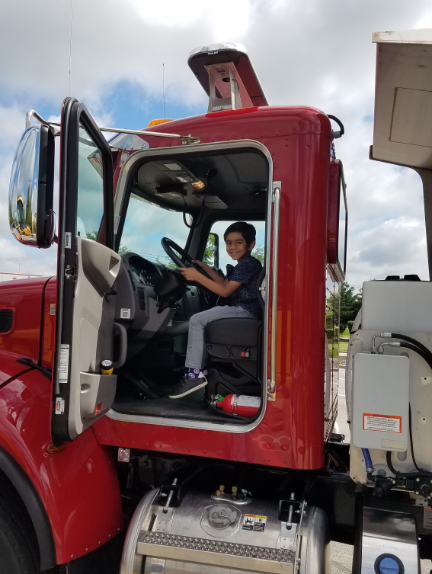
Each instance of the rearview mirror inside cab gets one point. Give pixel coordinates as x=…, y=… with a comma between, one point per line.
x=31, y=216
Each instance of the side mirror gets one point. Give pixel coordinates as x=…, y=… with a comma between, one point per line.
x=31, y=216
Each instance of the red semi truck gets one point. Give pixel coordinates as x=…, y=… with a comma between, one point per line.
x=95, y=456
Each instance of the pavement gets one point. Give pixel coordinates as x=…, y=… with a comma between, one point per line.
x=342, y=553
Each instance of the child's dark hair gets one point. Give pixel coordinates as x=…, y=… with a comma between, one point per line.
x=246, y=229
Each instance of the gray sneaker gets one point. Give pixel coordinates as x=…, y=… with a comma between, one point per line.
x=188, y=385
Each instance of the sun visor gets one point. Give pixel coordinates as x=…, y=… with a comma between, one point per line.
x=403, y=99
x=216, y=66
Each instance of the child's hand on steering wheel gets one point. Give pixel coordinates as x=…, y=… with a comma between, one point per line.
x=201, y=264
x=190, y=274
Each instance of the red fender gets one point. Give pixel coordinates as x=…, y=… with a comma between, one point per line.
x=78, y=486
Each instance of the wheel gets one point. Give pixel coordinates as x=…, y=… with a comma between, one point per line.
x=18, y=550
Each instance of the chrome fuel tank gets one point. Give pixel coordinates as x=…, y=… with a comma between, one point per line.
x=204, y=534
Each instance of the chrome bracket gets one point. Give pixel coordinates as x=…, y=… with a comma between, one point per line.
x=290, y=529
x=288, y=536
x=163, y=523
x=271, y=395
x=190, y=140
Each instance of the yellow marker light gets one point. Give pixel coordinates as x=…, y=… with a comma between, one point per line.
x=157, y=122
x=199, y=184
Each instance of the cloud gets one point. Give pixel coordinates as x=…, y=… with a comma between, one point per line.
x=304, y=53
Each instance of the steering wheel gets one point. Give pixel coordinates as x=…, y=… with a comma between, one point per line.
x=169, y=246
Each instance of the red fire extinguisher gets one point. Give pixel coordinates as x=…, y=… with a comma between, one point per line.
x=242, y=406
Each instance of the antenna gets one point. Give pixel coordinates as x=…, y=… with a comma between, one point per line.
x=163, y=88
x=70, y=46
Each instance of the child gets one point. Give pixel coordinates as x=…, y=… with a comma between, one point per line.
x=241, y=285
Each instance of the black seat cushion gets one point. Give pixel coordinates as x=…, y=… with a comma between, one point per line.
x=233, y=332
x=233, y=339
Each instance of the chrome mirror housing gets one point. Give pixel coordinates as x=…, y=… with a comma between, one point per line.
x=31, y=217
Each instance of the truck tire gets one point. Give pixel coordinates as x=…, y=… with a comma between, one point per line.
x=18, y=548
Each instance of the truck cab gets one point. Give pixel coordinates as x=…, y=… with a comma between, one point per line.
x=110, y=331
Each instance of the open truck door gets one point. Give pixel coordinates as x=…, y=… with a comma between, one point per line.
x=87, y=269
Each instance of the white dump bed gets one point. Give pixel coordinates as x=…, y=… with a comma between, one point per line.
x=403, y=98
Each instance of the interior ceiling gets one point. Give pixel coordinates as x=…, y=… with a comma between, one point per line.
x=239, y=181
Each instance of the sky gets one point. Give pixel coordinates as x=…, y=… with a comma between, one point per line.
x=309, y=52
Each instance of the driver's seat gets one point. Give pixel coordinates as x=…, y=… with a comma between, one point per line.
x=233, y=346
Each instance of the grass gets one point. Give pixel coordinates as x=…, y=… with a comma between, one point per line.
x=333, y=349
x=343, y=345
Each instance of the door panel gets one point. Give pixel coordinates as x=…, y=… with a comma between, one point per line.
x=93, y=321
x=87, y=272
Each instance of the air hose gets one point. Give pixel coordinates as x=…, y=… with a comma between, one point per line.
x=413, y=342
x=368, y=460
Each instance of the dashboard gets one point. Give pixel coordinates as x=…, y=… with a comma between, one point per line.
x=144, y=272
x=148, y=298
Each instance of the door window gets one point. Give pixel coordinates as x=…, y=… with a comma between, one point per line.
x=90, y=187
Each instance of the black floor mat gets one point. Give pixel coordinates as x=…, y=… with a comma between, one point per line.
x=192, y=407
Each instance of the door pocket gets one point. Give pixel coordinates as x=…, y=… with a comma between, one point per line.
x=97, y=394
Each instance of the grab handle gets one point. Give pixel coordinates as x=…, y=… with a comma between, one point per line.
x=123, y=346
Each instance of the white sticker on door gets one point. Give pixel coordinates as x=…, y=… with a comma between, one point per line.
x=254, y=522
x=68, y=240
x=59, y=406
x=382, y=423
x=63, y=366
x=124, y=313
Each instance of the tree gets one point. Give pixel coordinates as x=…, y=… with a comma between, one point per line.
x=94, y=235
x=350, y=304
x=210, y=250
x=258, y=253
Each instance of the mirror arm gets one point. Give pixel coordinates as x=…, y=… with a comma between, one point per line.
x=56, y=125
x=33, y=113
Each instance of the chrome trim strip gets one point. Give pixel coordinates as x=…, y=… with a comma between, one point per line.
x=134, y=530
x=118, y=204
x=274, y=260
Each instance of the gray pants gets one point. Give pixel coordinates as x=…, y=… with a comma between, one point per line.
x=196, y=356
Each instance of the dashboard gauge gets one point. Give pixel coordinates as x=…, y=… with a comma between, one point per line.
x=144, y=272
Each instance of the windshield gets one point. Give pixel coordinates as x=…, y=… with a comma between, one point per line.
x=146, y=224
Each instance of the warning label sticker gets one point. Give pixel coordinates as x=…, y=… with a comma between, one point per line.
x=60, y=406
x=254, y=522
x=63, y=368
x=382, y=423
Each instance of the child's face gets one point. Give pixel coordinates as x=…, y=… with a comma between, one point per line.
x=237, y=247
